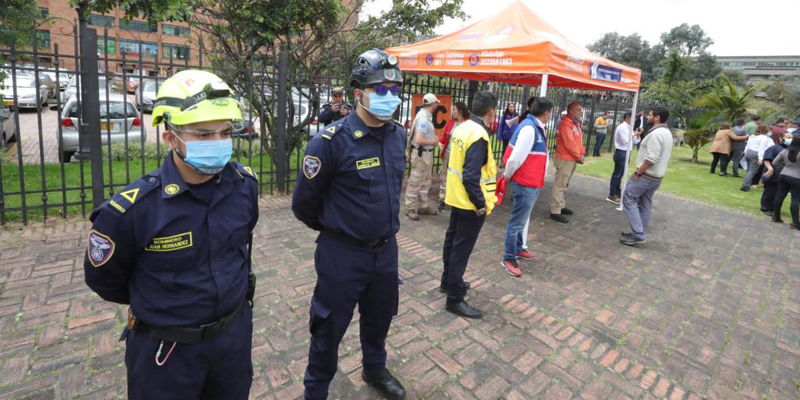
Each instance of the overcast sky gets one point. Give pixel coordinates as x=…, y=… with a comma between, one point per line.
x=738, y=27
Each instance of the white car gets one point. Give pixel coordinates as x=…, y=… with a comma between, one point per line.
x=26, y=92
x=119, y=120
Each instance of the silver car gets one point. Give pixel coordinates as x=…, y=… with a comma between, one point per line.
x=119, y=120
x=26, y=92
x=7, y=126
x=146, y=95
x=72, y=88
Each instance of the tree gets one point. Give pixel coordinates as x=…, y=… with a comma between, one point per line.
x=700, y=132
x=17, y=19
x=702, y=67
x=686, y=40
x=630, y=50
x=727, y=101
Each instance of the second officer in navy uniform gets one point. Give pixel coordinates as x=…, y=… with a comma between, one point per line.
x=349, y=190
x=174, y=245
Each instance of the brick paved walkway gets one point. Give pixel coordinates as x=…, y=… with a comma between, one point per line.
x=710, y=308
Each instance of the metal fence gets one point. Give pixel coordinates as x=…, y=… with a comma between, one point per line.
x=69, y=151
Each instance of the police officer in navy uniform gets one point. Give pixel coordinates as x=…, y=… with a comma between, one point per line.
x=174, y=246
x=349, y=190
x=335, y=110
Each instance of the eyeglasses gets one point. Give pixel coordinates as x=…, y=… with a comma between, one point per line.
x=381, y=90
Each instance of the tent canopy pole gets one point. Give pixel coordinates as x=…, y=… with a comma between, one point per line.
x=628, y=152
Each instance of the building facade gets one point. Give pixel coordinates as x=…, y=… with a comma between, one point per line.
x=139, y=41
x=759, y=68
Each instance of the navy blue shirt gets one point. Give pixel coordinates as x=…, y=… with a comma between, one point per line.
x=350, y=179
x=769, y=155
x=176, y=253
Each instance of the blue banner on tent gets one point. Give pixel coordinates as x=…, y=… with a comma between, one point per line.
x=605, y=73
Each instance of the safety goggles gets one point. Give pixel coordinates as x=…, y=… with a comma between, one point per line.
x=226, y=129
x=381, y=90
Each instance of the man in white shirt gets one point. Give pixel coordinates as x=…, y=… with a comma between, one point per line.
x=623, y=136
x=651, y=165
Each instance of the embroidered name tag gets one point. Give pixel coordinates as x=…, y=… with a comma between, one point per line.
x=368, y=163
x=171, y=243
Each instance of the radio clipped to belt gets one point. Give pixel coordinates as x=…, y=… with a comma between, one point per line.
x=251, y=276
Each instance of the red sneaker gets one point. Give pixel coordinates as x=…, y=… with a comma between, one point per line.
x=526, y=255
x=511, y=267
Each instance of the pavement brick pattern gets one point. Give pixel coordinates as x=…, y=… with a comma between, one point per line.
x=708, y=309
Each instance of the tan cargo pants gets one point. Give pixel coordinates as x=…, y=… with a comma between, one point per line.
x=564, y=171
x=419, y=183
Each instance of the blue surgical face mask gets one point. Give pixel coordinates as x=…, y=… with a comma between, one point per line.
x=207, y=157
x=787, y=142
x=382, y=107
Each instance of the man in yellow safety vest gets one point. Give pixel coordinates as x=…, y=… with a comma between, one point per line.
x=471, y=194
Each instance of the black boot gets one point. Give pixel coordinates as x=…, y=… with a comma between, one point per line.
x=442, y=289
x=385, y=383
x=460, y=307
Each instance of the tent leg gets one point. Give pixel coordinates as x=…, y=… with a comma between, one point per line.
x=543, y=88
x=628, y=153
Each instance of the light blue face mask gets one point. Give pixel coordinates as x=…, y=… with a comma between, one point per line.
x=382, y=107
x=207, y=157
x=787, y=142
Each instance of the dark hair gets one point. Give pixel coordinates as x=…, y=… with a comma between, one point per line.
x=508, y=113
x=569, y=107
x=483, y=102
x=724, y=125
x=462, y=109
x=756, y=118
x=794, y=149
x=739, y=122
x=626, y=115
x=531, y=100
x=780, y=120
x=661, y=112
x=541, y=105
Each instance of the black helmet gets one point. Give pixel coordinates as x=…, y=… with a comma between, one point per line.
x=375, y=66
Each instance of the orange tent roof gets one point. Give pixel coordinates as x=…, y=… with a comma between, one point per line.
x=515, y=46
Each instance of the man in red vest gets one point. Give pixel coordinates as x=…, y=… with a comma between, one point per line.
x=569, y=153
x=526, y=165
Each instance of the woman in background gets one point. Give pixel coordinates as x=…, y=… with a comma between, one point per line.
x=506, y=129
x=789, y=181
x=754, y=154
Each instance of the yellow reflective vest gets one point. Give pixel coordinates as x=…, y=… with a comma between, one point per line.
x=463, y=137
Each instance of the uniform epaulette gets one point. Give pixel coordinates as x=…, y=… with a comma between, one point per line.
x=331, y=130
x=126, y=198
x=244, y=170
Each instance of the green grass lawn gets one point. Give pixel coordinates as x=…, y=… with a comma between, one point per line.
x=691, y=181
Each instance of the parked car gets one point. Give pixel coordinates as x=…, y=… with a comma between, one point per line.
x=63, y=79
x=145, y=96
x=245, y=129
x=72, y=88
x=7, y=125
x=26, y=92
x=130, y=83
x=118, y=120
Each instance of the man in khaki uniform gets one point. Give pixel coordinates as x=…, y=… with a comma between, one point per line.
x=423, y=141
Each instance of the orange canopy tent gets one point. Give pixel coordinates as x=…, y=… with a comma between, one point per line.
x=516, y=46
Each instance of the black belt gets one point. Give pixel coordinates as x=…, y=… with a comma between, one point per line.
x=358, y=242
x=188, y=334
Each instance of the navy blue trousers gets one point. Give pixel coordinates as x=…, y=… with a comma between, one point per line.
x=217, y=368
x=350, y=275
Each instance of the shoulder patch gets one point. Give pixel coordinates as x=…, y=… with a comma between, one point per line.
x=123, y=200
x=311, y=166
x=100, y=248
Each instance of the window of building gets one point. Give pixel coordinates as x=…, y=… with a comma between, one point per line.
x=43, y=39
x=44, y=11
x=174, y=30
x=101, y=20
x=175, y=52
x=138, y=26
x=132, y=49
x=106, y=47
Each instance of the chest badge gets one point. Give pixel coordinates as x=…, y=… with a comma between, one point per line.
x=311, y=166
x=368, y=163
x=172, y=189
x=358, y=134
